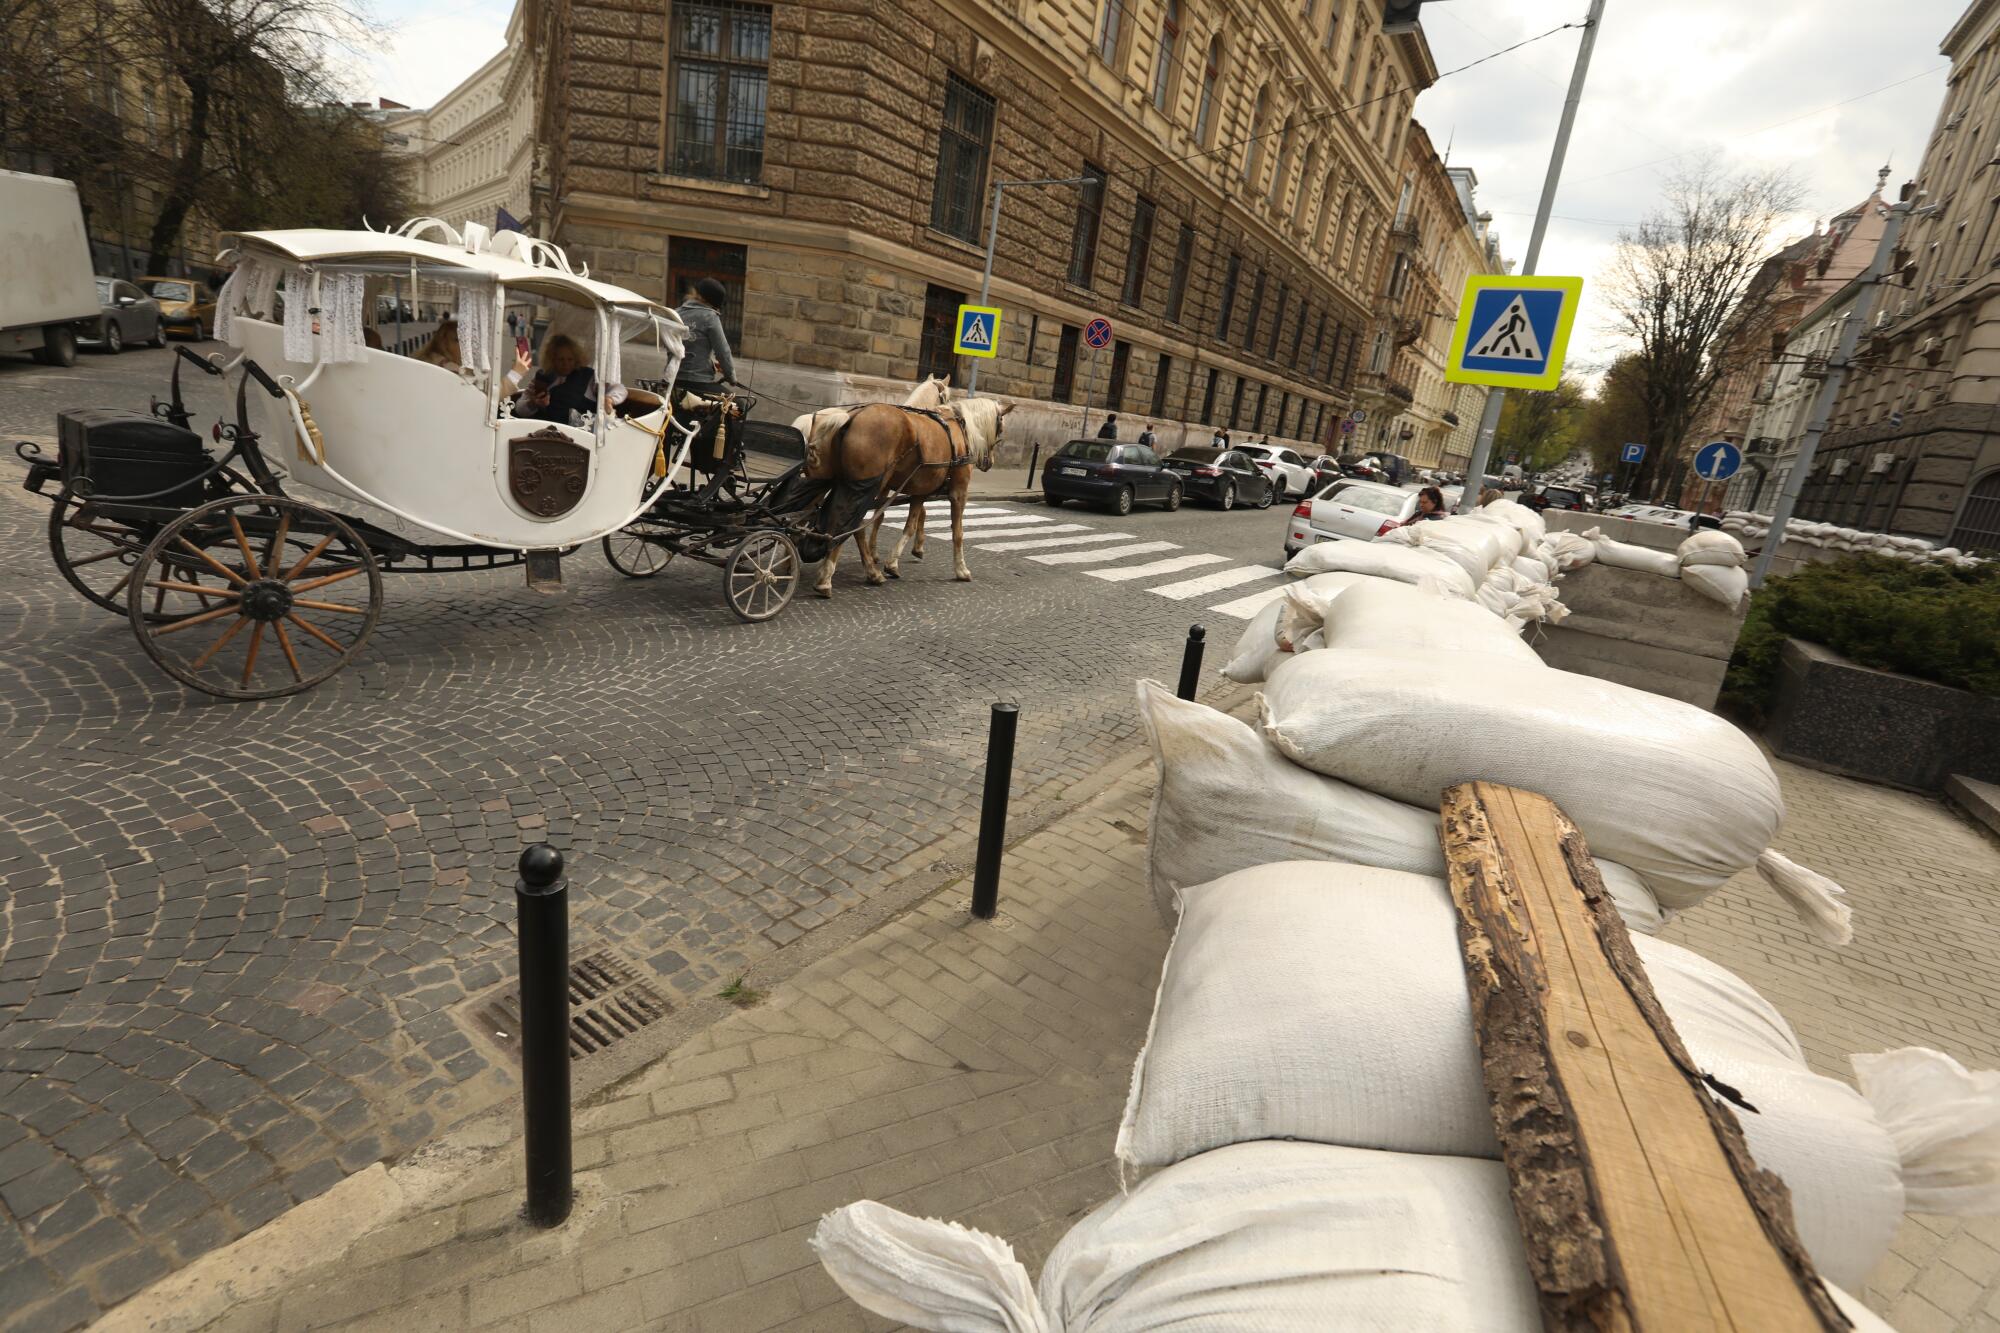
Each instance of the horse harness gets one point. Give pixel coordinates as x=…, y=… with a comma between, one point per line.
x=953, y=426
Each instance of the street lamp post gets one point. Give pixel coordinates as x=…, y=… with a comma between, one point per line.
x=993, y=236
x=1489, y=421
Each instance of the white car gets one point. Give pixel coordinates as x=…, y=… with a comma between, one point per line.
x=1651, y=514
x=1290, y=475
x=1358, y=510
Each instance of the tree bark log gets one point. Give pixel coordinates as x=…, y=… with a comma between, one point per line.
x=1639, y=1204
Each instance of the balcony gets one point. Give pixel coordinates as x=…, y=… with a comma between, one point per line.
x=1763, y=392
x=1814, y=368
x=1403, y=392
x=1408, y=331
x=1451, y=418
x=1405, y=235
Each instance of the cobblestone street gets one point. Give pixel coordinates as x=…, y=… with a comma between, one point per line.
x=238, y=938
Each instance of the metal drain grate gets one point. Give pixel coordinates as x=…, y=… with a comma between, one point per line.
x=607, y=1002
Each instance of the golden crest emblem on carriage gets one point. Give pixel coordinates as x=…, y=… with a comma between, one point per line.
x=547, y=472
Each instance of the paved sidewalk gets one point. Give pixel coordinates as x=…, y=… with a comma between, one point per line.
x=977, y=1071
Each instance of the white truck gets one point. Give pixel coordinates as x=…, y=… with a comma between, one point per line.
x=48, y=285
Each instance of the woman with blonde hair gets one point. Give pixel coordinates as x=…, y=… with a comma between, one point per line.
x=564, y=385
x=442, y=348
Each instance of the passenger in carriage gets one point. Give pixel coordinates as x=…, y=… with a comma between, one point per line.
x=563, y=386
x=442, y=349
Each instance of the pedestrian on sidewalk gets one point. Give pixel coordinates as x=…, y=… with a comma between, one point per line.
x=1219, y=440
x=1109, y=430
x=1146, y=436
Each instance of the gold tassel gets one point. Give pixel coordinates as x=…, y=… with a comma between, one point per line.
x=316, y=453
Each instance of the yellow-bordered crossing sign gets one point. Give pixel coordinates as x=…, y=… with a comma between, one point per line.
x=978, y=331
x=1513, y=331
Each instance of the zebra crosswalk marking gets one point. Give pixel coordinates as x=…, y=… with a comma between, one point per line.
x=1172, y=565
x=1243, y=608
x=1208, y=583
x=984, y=536
x=1102, y=553
x=1040, y=543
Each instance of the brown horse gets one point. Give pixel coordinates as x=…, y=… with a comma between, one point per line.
x=887, y=453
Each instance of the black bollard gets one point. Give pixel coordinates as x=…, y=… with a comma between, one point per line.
x=993, y=810
x=541, y=900
x=1191, y=661
x=1034, y=460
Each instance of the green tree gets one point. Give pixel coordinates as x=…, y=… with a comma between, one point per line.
x=1540, y=429
x=1616, y=415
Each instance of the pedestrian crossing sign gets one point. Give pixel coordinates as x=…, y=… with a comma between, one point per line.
x=1513, y=331
x=978, y=331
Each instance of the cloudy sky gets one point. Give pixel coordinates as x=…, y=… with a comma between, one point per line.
x=1805, y=83
x=1768, y=83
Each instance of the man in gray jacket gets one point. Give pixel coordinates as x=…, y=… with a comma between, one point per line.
x=706, y=366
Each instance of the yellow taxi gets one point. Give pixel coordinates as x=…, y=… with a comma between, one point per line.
x=187, y=306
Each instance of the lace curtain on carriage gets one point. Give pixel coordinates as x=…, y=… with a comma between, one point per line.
x=252, y=289
x=475, y=329
x=336, y=308
x=298, y=316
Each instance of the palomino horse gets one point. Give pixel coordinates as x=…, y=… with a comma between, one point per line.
x=889, y=452
x=817, y=428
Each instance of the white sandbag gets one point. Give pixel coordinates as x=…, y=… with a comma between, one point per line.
x=1513, y=541
x=1328, y=1003
x=1945, y=1122
x=1676, y=793
x=1223, y=800
x=1382, y=560
x=1258, y=650
x=1532, y=526
x=925, y=1273
x=1473, y=546
x=1710, y=547
x=1533, y=568
x=1624, y=555
x=1721, y=583
x=1570, y=550
x=1276, y=1237
x=1380, y=613
x=1295, y=1236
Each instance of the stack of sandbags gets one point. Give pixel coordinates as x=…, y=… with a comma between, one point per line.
x=1677, y=794
x=1625, y=555
x=1328, y=1003
x=1383, y=560
x=1226, y=800
x=1832, y=537
x=1569, y=550
x=1712, y=564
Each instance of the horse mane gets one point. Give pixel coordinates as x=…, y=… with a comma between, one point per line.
x=932, y=391
x=982, y=426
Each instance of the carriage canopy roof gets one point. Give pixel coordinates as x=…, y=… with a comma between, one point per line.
x=498, y=259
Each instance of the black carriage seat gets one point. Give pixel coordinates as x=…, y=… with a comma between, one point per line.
x=111, y=452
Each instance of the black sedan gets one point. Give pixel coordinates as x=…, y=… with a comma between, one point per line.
x=1223, y=477
x=1105, y=472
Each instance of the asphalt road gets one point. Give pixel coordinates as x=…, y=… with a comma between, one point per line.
x=243, y=946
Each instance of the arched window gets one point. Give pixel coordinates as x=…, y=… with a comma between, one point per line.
x=1276, y=198
x=1164, y=56
x=1306, y=186
x=1252, y=151
x=1978, y=527
x=1211, y=74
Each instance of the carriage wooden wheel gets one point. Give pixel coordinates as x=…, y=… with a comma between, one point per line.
x=281, y=595
x=636, y=555
x=97, y=554
x=760, y=575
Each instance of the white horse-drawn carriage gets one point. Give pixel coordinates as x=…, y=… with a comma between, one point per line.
x=255, y=568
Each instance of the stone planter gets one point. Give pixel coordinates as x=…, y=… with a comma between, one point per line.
x=1881, y=726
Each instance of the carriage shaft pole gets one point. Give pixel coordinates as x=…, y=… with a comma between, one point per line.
x=993, y=810
x=541, y=899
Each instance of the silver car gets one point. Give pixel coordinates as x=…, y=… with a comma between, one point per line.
x=126, y=316
x=1355, y=510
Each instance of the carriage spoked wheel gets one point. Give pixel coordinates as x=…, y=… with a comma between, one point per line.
x=279, y=595
x=636, y=556
x=96, y=555
x=761, y=575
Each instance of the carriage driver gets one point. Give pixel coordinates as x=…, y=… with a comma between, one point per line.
x=706, y=365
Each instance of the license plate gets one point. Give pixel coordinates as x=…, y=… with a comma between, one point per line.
x=1076, y=472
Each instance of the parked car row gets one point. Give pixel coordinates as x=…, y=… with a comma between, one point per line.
x=1121, y=476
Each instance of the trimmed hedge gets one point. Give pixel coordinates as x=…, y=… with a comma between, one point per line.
x=1930, y=621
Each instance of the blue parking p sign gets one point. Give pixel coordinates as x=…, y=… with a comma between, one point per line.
x=1634, y=453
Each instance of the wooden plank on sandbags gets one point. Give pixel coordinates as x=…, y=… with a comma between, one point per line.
x=1639, y=1204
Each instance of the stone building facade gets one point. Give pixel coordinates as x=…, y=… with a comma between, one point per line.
x=1913, y=446
x=1435, y=243
x=833, y=165
x=471, y=153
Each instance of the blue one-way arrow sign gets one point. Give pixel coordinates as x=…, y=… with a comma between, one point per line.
x=1717, y=461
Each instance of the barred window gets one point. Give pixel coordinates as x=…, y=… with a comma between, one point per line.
x=1138, y=250
x=1177, y=280
x=1083, y=238
x=720, y=53
x=964, y=144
